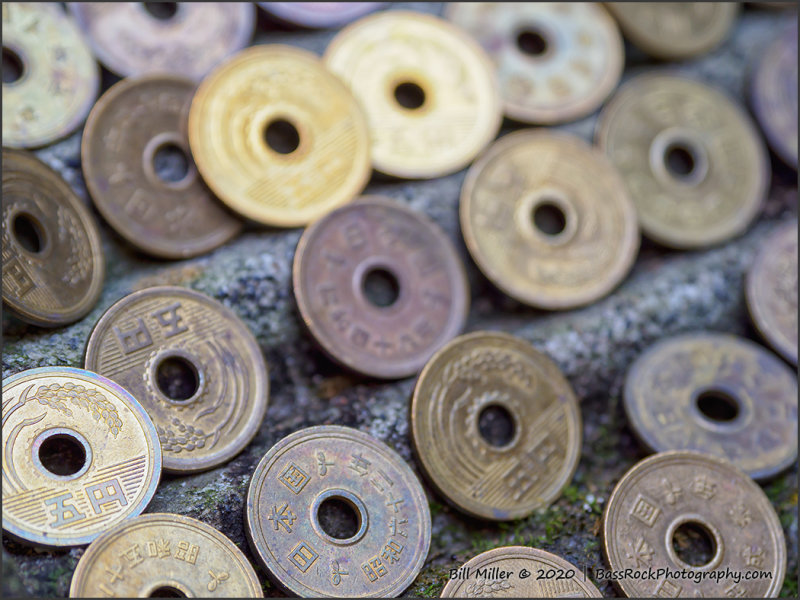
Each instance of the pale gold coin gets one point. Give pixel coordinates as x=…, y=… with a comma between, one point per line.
x=277, y=137
x=52, y=78
x=675, y=30
x=80, y=455
x=692, y=160
x=429, y=91
x=519, y=572
x=548, y=220
x=495, y=425
x=164, y=555
x=555, y=61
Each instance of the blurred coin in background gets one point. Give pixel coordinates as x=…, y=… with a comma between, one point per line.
x=319, y=15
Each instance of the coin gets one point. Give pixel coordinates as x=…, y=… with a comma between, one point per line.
x=773, y=93
x=182, y=38
x=495, y=426
x=193, y=365
x=771, y=291
x=79, y=456
x=547, y=219
x=182, y=557
x=380, y=287
x=680, y=495
x=718, y=394
x=132, y=123
x=555, y=62
x=50, y=79
x=319, y=15
x=692, y=160
x=429, y=91
x=277, y=137
x=53, y=264
x=675, y=30
x=332, y=511
x=518, y=572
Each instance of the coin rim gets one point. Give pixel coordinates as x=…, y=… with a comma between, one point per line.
x=529, y=296
x=175, y=464
x=293, y=439
x=474, y=510
x=56, y=319
x=77, y=584
x=148, y=429
x=284, y=12
x=330, y=346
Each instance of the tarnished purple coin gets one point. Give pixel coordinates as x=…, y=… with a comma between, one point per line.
x=182, y=38
x=774, y=94
x=319, y=15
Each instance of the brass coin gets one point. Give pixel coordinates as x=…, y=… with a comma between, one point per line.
x=127, y=128
x=513, y=572
x=381, y=540
x=675, y=30
x=54, y=80
x=717, y=394
x=380, y=287
x=79, y=456
x=555, y=62
x=771, y=291
x=429, y=91
x=773, y=91
x=486, y=469
x=693, y=162
x=319, y=15
x=182, y=38
x=279, y=138
x=193, y=365
x=53, y=264
x=547, y=219
x=673, y=492
x=164, y=555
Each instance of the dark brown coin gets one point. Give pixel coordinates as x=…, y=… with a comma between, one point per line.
x=133, y=125
x=380, y=287
x=53, y=263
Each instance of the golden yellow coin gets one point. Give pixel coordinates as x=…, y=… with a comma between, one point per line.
x=50, y=78
x=80, y=455
x=428, y=89
x=160, y=555
x=277, y=137
x=495, y=425
x=548, y=220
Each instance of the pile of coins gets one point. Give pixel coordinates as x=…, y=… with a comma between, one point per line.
x=272, y=135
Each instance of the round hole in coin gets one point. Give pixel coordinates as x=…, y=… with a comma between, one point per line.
x=170, y=163
x=549, y=218
x=532, y=42
x=380, y=287
x=62, y=454
x=177, y=378
x=409, y=95
x=281, y=136
x=167, y=591
x=694, y=544
x=680, y=160
x=28, y=232
x=13, y=67
x=162, y=11
x=717, y=406
x=339, y=517
x=496, y=425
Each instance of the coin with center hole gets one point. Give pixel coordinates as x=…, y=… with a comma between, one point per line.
x=495, y=426
x=50, y=78
x=519, y=572
x=133, y=126
x=429, y=91
x=332, y=511
x=80, y=455
x=319, y=15
x=692, y=160
x=183, y=38
x=53, y=264
x=555, y=62
x=193, y=365
x=717, y=394
x=380, y=287
x=693, y=515
x=771, y=291
x=773, y=93
x=675, y=30
x=278, y=137
x=547, y=219
x=165, y=556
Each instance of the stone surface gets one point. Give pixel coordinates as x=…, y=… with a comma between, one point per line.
x=667, y=293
